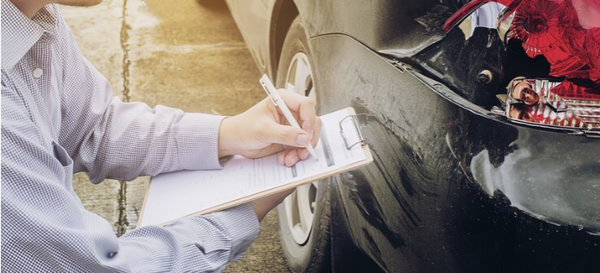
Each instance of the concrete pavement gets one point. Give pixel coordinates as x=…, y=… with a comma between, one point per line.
x=185, y=54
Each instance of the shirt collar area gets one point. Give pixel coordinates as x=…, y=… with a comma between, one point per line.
x=20, y=33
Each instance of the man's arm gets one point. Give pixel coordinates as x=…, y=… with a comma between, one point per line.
x=131, y=139
x=47, y=229
x=110, y=138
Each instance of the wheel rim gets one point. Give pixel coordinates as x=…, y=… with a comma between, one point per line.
x=301, y=204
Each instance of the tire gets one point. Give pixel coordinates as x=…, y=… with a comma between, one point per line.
x=306, y=249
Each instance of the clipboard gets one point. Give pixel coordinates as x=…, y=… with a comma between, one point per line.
x=165, y=200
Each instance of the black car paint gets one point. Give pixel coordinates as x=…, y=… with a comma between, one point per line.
x=418, y=207
x=458, y=62
x=398, y=28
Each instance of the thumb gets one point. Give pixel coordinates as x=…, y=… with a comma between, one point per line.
x=287, y=135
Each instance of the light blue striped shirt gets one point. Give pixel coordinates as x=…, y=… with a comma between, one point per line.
x=59, y=117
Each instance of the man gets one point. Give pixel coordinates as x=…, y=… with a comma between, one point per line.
x=58, y=117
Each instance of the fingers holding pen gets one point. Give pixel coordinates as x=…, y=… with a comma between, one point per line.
x=294, y=153
x=303, y=108
x=313, y=129
x=287, y=135
x=304, y=111
x=290, y=157
x=300, y=113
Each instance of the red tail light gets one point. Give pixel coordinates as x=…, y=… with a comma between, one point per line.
x=565, y=32
x=553, y=29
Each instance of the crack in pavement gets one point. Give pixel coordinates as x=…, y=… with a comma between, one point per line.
x=122, y=222
x=124, y=39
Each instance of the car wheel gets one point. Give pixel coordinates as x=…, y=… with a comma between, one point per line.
x=304, y=216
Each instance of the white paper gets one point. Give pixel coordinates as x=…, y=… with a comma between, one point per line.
x=177, y=194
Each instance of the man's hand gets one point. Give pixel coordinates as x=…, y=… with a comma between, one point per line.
x=262, y=130
x=264, y=205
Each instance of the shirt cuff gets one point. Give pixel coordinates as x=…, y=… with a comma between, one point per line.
x=198, y=141
x=243, y=227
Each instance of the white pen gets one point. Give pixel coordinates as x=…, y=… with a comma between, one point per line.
x=277, y=100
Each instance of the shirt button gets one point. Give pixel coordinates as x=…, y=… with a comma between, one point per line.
x=37, y=72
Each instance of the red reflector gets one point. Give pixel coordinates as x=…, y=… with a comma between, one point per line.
x=592, y=46
x=568, y=90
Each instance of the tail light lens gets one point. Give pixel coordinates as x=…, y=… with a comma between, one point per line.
x=565, y=32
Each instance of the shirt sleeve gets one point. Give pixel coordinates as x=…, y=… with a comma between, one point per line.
x=131, y=139
x=109, y=138
x=46, y=228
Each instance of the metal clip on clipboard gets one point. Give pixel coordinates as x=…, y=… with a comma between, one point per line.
x=360, y=140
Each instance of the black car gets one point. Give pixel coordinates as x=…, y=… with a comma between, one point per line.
x=483, y=118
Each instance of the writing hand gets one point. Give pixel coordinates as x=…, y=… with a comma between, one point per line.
x=263, y=130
